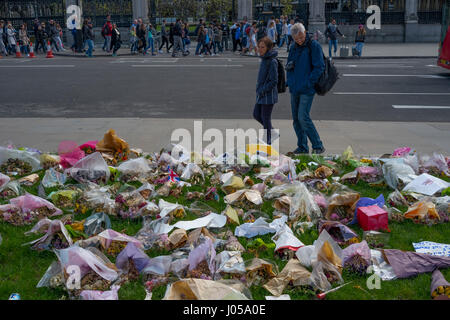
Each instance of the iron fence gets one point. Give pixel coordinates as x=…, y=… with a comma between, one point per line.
x=430, y=17
x=25, y=11
x=121, y=11
x=354, y=18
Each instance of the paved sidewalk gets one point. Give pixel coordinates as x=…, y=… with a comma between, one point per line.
x=367, y=138
x=370, y=51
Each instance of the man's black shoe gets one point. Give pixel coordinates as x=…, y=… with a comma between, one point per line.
x=319, y=151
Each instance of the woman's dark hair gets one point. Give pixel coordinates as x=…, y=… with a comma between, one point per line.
x=267, y=42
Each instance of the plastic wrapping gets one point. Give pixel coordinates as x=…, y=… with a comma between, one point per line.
x=368, y=174
x=288, y=189
x=140, y=259
x=259, y=227
x=233, y=184
x=203, y=252
x=53, y=270
x=230, y=262
x=147, y=190
x=304, y=206
x=435, y=163
x=33, y=158
x=12, y=188
x=101, y=295
x=200, y=208
x=100, y=197
x=86, y=261
x=91, y=168
x=396, y=199
x=396, y=171
x=158, y=266
x=179, y=267
x=96, y=223
x=304, y=255
x=109, y=235
x=174, y=209
x=53, y=227
x=4, y=180
x=53, y=178
x=69, y=153
x=323, y=274
x=136, y=167
x=259, y=270
x=343, y=200
x=361, y=249
x=339, y=232
x=285, y=239
x=191, y=170
x=248, y=197
x=29, y=202
x=423, y=211
x=293, y=272
x=376, y=239
x=401, y=152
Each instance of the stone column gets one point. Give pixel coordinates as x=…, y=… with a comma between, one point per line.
x=245, y=9
x=140, y=10
x=411, y=20
x=316, y=16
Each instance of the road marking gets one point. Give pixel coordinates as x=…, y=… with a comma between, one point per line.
x=187, y=65
x=42, y=66
x=143, y=60
x=426, y=76
x=395, y=93
x=370, y=66
x=431, y=65
x=419, y=107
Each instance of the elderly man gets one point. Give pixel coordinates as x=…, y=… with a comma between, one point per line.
x=304, y=67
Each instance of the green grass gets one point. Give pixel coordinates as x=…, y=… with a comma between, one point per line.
x=21, y=268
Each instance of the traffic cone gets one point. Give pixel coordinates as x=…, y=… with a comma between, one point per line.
x=18, y=54
x=49, y=50
x=32, y=51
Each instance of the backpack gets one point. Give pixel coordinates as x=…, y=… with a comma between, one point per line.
x=104, y=30
x=281, y=85
x=329, y=76
x=247, y=31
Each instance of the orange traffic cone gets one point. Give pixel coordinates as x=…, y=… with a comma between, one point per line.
x=32, y=51
x=18, y=55
x=49, y=50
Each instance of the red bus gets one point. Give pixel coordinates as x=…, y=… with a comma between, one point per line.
x=444, y=49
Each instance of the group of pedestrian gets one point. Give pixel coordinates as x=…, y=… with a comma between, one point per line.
x=11, y=39
x=215, y=36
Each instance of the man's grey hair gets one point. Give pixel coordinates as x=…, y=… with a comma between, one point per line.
x=297, y=28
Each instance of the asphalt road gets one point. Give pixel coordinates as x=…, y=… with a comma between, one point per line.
x=213, y=88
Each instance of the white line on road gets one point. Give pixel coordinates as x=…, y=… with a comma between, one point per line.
x=42, y=66
x=187, y=65
x=371, y=66
x=427, y=76
x=396, y=93
x=419, y=107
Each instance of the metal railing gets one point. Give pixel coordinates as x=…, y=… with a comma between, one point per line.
x=430, y=17
x=354, y=18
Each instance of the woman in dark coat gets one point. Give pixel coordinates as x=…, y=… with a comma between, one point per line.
x=266, y=87
x=116, y=42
